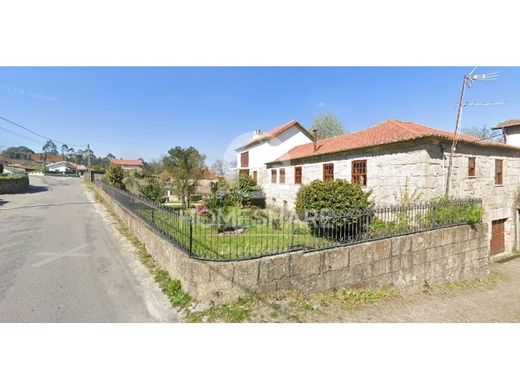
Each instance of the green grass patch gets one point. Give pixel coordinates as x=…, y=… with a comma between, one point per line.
x=235, y=312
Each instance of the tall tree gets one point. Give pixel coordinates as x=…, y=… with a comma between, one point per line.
x=186, y=167
x=50, y=148
x=219, y=166
x=64, y=150
x=327, y=125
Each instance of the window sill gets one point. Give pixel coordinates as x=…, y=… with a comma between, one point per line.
x=472, y=177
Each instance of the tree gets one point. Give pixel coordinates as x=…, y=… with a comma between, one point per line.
x=110, y=156
x=17, y=149
x=484, y=133
x=186, y=168
x=327, y=125
x=219, y=166
x=114, y=176
x=64, y=150
x=152, y=190
x=50, y=148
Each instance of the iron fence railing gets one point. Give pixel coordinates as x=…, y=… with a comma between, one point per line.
x=240, y=234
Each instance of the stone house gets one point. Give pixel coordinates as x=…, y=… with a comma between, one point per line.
x=128, y=165
x=394, y=157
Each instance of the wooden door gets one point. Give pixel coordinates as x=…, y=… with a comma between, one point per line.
x=497, y=244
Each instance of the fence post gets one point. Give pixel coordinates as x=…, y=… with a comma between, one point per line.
x=292, y=233
x=191, y=236
x=153, y=217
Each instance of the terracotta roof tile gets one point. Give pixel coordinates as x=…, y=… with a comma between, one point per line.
x=387, y=132
x=136, y=163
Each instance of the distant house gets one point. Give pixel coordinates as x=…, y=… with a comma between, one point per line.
x=135, y=165
x=65, y=167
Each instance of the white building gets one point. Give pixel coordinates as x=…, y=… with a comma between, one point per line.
x=65, y=167
x=395, y=155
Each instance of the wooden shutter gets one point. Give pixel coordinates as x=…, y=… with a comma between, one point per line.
x=471, y=166
x=255, y=176
x=282, y=175
x=298, y=175
x=273, y=176
x=244, y=160
x=499, y=172
x=328, y=172
x=359, y=172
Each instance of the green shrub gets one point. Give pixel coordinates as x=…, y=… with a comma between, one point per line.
x=152, y=190
x=244, y=190
x=331, y=197
x=114, y=176
x=332, y=208
x=446, y=212
x=219, y=202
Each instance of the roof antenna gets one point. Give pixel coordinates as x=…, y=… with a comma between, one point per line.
x=467, y=82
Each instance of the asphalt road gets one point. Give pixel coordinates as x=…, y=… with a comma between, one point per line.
x=61, y=260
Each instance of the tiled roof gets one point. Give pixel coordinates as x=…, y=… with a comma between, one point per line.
x=136, y=163
x=508, y=123
x=387, y=132
x=267, y=135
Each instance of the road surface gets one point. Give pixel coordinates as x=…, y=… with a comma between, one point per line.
x=61, y=260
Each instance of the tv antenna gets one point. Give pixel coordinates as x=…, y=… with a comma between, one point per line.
x=467, y=82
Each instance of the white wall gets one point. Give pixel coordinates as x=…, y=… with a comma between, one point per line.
x=267, y=151
x=513, y=136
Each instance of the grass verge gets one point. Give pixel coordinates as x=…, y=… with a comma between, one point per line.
x=170, y=287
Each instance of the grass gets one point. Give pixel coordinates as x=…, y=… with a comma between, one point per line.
x=466, y=284
x=257, y=238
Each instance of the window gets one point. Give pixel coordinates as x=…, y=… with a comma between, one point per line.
x=298, y=175
x=273, y=176
x=359, y=172
x=244, y=160
x=255, y=176
x=244, y=172
x=499, y=173
x=328, y=172
x=471, y=166
x=282, y=175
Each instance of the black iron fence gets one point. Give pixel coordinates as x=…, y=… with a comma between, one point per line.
x=238, y=234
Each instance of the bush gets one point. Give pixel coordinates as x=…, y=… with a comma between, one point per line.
x=331, y=208
x=219, y=203
x=114, y=176
x=446, y=212
x=152, y=190
x=202, y=210
x=244, y=190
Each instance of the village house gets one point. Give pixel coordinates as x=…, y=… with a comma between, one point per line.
x=129, y=165
x=393, y=157
x=65, y=167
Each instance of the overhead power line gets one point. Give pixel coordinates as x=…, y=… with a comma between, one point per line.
x=40, y=135
x=21, y=135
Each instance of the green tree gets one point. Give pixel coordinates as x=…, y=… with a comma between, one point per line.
x=244, y=189
x=50, y=148
x=327, y=125
x=64, y=150
x=186, y=168
x=114, y=175
x=152, y=190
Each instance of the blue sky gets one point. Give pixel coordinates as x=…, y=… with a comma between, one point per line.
x=142, y=112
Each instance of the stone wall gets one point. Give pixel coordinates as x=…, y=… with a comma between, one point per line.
x=14, y=185
x=414, y=260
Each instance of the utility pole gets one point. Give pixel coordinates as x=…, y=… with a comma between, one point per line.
x=466, y=83
x=88, y=156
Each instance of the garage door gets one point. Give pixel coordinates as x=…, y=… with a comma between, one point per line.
x=497, y=237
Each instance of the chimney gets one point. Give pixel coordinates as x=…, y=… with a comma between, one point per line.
x=315, y=139
x=257, y=134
